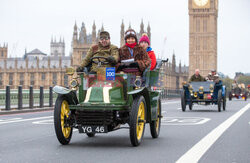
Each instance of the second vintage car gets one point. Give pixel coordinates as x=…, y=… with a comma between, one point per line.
x=203, y=93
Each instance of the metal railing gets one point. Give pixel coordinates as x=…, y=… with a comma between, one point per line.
x=26, y=98
x=170, y=93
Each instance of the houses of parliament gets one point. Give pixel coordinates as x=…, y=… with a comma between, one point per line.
x=38, y=69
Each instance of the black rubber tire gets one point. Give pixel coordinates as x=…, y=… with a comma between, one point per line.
x=219, y=100
x=155, y=132
x=190, y=105
x=245, y=96
x=57, y=122
x=224, y=104
x=133, y=120
x=90, y=134
x=183, y=101
x=230, y=96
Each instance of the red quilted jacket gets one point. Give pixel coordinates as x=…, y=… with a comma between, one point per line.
x=151, y=55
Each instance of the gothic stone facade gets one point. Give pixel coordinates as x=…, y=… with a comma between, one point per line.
x=36, y=69
x=202, y=35
x=172, y=76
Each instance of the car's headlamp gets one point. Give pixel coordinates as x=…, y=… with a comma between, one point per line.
x=190, y=87
x=138, y=82
x=201, y=89
x=74, y=83
x=211, y=87
x=195, y=94
x=233, y=94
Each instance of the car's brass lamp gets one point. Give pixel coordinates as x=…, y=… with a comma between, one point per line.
x=70, y=71
x=211, y=87
x=195, y=94
x=137, y=82
x=74, y=84
x=201, y=90
x=190, y=89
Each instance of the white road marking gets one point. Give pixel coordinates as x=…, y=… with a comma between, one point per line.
x=23, y=120
x=178, y=108
x=163, y=112
x=47, y=121
x=171, y=102
x=199, y=149
x=2, y=120
x=184, y=120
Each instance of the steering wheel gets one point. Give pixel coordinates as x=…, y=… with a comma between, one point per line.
x=99, y=60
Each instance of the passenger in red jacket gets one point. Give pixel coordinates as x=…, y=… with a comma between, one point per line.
x=145, y=43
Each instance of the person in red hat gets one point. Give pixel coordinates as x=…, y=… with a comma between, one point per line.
x=145, y=43
x=132, y=51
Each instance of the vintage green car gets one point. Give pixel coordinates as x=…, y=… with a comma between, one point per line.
x=106, y=101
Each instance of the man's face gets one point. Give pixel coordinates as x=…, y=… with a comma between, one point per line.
x=197, y=73
x=213, y=73
x=105, y=41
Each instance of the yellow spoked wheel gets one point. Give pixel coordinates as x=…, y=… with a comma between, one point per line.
x=64, y=115
x=155, y=125
x=140, y=120
x=61, y=113
x=137, y=120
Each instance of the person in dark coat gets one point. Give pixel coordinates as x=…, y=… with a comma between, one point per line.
x=197, y=77
x=131, y=50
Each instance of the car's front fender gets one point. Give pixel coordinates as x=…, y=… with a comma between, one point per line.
x=61, y=90
x=69, y=94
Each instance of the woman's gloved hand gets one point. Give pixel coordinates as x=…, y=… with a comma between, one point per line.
x=134, y=64
x=122, y=66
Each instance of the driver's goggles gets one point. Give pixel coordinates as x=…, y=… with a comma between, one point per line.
x=130, y=33
x=104, y=38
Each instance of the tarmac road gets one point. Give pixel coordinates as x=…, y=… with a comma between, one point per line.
x=203, y=135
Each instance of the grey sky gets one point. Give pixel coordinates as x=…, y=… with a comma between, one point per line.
x=31, y=23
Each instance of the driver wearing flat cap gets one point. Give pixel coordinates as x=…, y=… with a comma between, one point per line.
x=213, y=76
x=103, y=49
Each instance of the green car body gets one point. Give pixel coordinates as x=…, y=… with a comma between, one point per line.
x=109, y=103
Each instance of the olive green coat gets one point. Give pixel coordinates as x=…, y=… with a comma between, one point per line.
x=99, y=50
x=195, y=78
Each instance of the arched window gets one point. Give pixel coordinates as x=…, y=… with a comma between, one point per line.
x=54, y=78
x=32, y=79
x=21, y=78
x=66, y=80
x=11, y=79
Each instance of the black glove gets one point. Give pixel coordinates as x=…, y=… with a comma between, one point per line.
x=134, y=64
x=122, y=66
x=111, y=59
x=79, y=69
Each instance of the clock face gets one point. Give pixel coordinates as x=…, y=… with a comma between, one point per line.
x=200, y=2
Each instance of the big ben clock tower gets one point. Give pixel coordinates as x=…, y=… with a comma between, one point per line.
x=202, y=35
